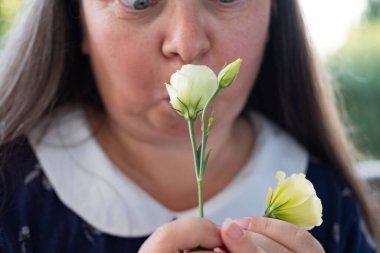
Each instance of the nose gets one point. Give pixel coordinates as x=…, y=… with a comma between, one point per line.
x=186, y=35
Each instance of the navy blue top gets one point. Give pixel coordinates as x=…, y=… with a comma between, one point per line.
x=33, y=219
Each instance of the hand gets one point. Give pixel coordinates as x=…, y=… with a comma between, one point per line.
x=181, y=235
x=258, y=234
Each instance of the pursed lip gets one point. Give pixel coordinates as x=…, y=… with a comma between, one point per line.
x=165, y=97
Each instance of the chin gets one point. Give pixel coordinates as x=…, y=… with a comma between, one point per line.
x=175, y=126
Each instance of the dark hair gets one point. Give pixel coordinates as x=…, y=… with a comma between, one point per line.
x=289, y=89
x=79, y=85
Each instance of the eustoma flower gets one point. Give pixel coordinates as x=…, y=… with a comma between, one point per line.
x=191, y=90
x=295, y=201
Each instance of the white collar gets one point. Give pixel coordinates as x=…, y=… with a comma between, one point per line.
x=87, y=182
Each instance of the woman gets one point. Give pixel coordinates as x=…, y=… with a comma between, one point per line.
x=95, y=160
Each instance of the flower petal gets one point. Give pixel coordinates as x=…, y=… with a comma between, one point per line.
x=294, y=200
x=174, y=98
x=293, y=190
x=306, y=215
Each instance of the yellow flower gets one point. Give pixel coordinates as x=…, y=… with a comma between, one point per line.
x=228, y=74
x=190, y=88
x=295, y=201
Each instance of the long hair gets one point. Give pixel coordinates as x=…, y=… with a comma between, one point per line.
x=42, y=68
x=291, y=90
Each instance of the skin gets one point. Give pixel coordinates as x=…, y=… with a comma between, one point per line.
x=133, y=53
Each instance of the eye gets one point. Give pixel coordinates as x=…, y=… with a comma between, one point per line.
x=227, y=1
x=137, y=4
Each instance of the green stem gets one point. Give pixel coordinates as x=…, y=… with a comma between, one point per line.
x=196, y=165
x=204, y=131
x=268, y=214
x=201, y=161
x=194, y=146
x=200, y=196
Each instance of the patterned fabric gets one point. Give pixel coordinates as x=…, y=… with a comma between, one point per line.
x=78, y=169
x=32, y=218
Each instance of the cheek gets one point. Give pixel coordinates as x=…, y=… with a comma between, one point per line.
x=124, y=77
x=249, y=45
x=251, y=48
x=121, y=71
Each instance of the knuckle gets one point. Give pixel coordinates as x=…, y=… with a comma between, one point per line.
x=284, y=250
x=205, y=227
x=266, y=224
x=259, y=250
x=303, y=238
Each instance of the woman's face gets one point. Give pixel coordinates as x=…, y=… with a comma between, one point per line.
x=134, y=52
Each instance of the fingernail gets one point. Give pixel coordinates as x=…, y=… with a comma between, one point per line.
x=243, y=223
x=232, y=229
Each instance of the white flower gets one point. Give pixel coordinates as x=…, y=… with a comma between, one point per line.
x=295, y=201
x=190, y=88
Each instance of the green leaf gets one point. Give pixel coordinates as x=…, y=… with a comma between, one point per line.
x=206, y=160
x=199, y=151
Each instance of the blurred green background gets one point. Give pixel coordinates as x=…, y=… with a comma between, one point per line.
x=8, y=10
x=354, y=69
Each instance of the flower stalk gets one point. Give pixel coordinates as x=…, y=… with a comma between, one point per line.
x=192, y=90
x=200, y=160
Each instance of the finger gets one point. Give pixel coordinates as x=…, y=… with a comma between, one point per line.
x=183, y=234
x=286, y=234
x=191, y=251
x=238, y=240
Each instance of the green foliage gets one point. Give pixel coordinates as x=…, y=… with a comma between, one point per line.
x=355, y=67
x=373, y=11
x=8, y=10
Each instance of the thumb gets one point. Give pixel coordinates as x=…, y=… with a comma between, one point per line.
x=238, y=240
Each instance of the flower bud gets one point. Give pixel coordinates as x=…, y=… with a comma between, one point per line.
x=228, y=74
x=190, y=88
x=211, y=121
x=295, y=201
